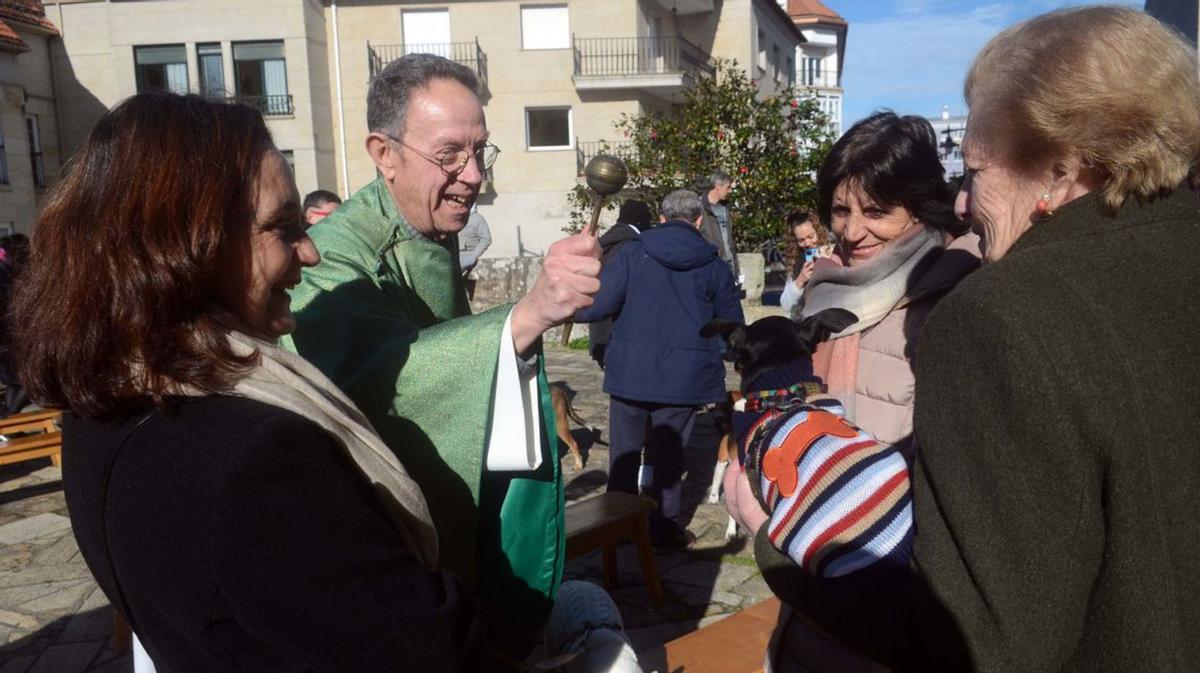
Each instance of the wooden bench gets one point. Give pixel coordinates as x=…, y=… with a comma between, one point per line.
x=736, y=644
x=40, y=437
x=603, y=521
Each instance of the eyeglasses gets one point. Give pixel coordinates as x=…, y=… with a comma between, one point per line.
x=453, y=162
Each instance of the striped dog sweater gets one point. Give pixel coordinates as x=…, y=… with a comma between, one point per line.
x=838, y=500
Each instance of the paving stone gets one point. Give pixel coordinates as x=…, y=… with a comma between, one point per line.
x=15, y=556
x=705, y=573
x=62, y=600
x=18, y=619
x=754, y=590
x=35, y=574
x=72, y=658
x=61, y=551
x=33, y=527
x=699, y=597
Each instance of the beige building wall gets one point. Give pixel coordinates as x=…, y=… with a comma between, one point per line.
x=95, y=62
x=525, y=204
x=26, y=88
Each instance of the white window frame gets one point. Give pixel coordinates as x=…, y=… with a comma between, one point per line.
x=551, y=148
x=566, y=38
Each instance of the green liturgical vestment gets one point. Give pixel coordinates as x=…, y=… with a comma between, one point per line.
x=385, y=316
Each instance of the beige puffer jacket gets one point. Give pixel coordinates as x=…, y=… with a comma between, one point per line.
x=883, y=397
x=883, y=406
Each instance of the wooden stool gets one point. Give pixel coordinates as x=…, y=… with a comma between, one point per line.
x=47, y=440
x=603, y=521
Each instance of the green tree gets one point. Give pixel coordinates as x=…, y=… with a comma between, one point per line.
x=771, y=145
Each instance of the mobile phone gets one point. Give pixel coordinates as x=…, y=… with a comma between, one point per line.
x=810, y=254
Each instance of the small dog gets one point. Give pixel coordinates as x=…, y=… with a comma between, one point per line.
x=768, y=345
x=562, y=412
x=722, y=414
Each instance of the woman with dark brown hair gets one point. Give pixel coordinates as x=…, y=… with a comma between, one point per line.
x=231, y=502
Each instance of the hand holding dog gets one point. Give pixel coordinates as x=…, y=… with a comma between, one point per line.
x=739, y=499
x=569, y=279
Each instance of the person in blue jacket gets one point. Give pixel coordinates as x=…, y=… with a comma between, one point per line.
x=660, y=289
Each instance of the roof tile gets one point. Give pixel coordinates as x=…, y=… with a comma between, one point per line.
x=28, y=12
x=813, y=9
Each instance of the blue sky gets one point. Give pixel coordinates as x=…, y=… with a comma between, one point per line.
x=911, y=55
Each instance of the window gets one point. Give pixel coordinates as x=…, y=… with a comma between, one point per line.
x=548, y=128
x=426, y=31
x=212, y=70
x=260, y=72
x=814, y=73
x=35, y=150
x=161, y=68
x=776, y=62
x=3, y=160
x=545, y=27
x=762, y=52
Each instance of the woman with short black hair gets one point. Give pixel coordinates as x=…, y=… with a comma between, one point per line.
x=898, y=249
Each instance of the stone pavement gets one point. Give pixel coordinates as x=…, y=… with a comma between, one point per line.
x=53, y=618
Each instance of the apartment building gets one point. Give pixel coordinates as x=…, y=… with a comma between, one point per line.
x=821, y=56
x=29, y=142
x=556, y=74
x=268, y=53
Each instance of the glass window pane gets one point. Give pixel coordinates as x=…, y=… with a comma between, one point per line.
x=549, y=127
x=212, y=70
x=545, y=27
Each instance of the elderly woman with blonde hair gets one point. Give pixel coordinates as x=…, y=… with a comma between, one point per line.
x=1052, y=516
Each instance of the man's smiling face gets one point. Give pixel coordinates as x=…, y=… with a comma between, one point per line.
x=443, y=118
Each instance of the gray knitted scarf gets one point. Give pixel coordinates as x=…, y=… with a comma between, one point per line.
x=873, y=290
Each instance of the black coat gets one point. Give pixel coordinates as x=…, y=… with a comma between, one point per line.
x=1058, y=455
x=236, y=537
x=662, y=288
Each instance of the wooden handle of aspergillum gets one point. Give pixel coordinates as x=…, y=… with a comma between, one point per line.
x=593, y=230
x=594, y=225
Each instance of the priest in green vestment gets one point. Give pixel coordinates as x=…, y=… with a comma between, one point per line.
x=462, y=399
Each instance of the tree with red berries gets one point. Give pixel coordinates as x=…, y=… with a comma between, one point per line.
x=772, y=145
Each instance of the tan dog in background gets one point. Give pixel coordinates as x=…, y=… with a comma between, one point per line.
x=562, y=412
x=723, y=418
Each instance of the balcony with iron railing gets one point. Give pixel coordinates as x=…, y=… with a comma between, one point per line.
x=818, y=79
x=467, y=53
x=277, y=105
x=656, y=63
x=585, y=151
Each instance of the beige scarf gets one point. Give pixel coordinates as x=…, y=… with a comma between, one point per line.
x=286, y=380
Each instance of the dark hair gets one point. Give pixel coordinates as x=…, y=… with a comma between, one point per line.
x=319, y=196
x=895, y=161
x=388, y=97
x=635, y=212
x=118, y=302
